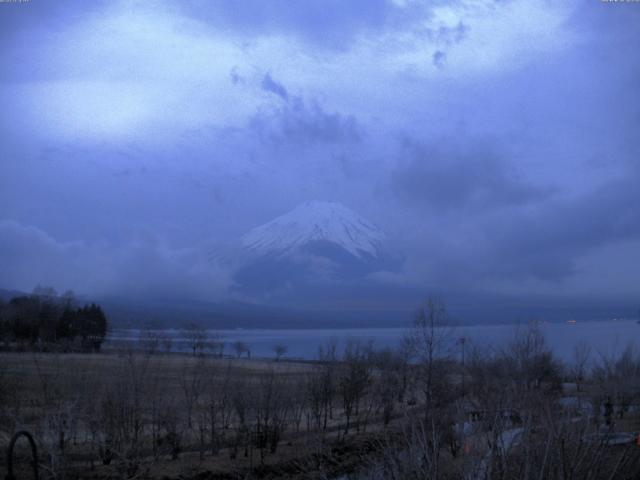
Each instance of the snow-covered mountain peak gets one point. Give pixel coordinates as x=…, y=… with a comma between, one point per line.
x=316, y=221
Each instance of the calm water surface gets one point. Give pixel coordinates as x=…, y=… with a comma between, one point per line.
x=604, y=337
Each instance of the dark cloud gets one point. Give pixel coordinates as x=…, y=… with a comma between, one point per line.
x=439, y=59
x=548, y=241
x=305, y=123
x=448, y=35
x=455, y=175
x=270, y=85
x=236, y=78
x=146, y=267
x=330, y=24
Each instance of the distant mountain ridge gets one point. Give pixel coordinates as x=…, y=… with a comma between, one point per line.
x=463, y=308
x=7, y=295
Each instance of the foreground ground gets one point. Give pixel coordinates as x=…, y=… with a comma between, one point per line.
x=363, y=414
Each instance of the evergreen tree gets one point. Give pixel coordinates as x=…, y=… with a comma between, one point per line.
x=44, y=318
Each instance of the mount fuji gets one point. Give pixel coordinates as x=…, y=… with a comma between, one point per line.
x=313, y=222
x=316, y=243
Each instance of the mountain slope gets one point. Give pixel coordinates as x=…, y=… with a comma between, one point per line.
x=316, y=248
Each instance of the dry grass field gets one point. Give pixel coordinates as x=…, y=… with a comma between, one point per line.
x=161, y=415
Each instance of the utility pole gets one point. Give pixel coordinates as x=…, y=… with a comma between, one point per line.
x=462, y=342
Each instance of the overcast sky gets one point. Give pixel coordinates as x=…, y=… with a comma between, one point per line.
x=497, y=143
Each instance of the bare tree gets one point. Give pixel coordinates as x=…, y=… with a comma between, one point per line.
x=216, y=345
x=355, y=378
x=271, y=411
x=148, y=341
x=218, y=402
x=299, y=404
x=321, y=386
x=122, y=414
x=166, y=341
x=241, y=348
x=192, y=381
x=171, y=436
x=618, y=381
x=429, y=344
x=242, y=395
x=9, y=387
x=58, y=397
x=196, y=338
x=579, y=367
x=390, y=383
x=280, y=351
x=5, y=326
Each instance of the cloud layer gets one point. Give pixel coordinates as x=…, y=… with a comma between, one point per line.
x=496, y=142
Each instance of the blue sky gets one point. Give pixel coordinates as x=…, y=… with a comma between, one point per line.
x=496, y=142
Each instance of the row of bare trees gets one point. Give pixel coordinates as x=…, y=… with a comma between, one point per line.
x=198, y=341
x=514, y=412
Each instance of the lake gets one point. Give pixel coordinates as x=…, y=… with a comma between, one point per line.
x=604, y=337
